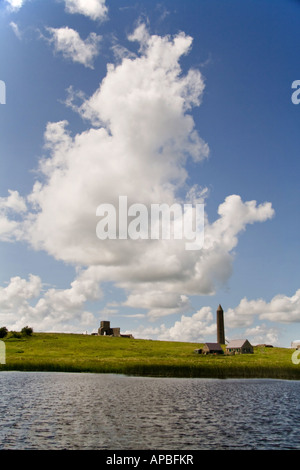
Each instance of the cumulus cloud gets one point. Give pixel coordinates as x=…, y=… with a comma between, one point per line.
x=10, y=207
x=14, y=202
x=19, y=290
x=94, y=9
x=141, y=135
x=195, y=328
x=24, y=302
x=281, y=308
x=14, y=299
x=262, y=334
x=255, y=317
x=67, y=41
x=15, y=4
x=156, y=302
x=139, y=142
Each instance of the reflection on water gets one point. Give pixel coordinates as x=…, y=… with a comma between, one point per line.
x=98, y=411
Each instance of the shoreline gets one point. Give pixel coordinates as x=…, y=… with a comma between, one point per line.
x=116, y=374
x=122, y=374
x=63, y=352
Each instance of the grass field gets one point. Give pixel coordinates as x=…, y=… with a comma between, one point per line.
x=101, y=354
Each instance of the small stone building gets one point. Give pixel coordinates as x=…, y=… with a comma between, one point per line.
x=198, y=351
x=212, y=348
x=296, y=344
x=239, y=346
x=106, y=330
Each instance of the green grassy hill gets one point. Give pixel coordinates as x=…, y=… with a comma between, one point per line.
x=101, y=354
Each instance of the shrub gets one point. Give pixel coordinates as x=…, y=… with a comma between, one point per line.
x=27, y=331
x=3, y=331
x=14, y=334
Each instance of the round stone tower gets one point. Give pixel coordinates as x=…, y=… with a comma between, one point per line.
x=220, y=326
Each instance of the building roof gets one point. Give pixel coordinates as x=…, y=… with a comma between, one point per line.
x=236, y=343
x=214, y=346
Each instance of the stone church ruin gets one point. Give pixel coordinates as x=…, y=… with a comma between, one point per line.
x=106, y=330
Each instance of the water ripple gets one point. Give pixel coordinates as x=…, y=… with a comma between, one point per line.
x=98, y=411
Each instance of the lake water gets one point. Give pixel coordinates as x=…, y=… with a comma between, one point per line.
x=54, y=411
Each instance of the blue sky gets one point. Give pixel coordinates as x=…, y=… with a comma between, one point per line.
x=150, y=99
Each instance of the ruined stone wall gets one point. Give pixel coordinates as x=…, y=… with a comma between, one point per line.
x=115, y=331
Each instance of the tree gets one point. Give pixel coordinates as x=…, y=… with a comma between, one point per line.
x=3, y=331
x=27, y=331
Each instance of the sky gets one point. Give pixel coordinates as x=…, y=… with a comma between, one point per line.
x=186, y=102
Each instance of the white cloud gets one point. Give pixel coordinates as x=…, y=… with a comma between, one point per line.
x=14, y=299
x=19, y=288
x=195, y=328
x=8, y=228
x=14, y=202
x=15, y=4
x=141, y=135
x=15, y=29
x=23, y=302
x=68, y=42
x=262, y=334
x=139, y=151
x=252, y=317
x=281, y=309
x=156, y=302
x=10, y=225
x=94, y=9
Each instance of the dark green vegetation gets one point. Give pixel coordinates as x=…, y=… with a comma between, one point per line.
x=85, y=353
